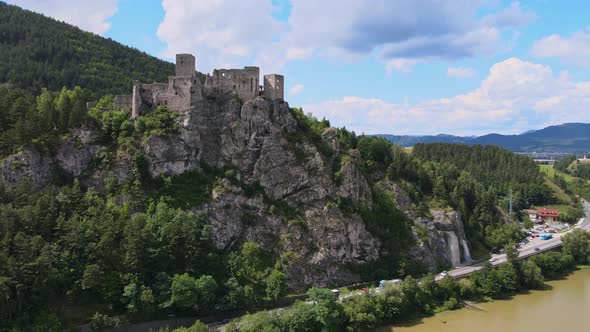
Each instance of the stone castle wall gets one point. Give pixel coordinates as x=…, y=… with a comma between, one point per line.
x=184, y=89
x=244, y=82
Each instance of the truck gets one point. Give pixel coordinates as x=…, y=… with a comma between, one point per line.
x=546, y=236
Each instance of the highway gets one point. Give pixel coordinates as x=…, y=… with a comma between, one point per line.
x=533, y=247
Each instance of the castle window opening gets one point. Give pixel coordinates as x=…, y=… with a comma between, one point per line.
x=176, y=93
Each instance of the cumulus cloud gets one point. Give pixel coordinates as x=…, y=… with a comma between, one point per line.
x=402, y=33
x=515, y=96
x=220, y=33
x=460, y=72
x=295, y=89
x=88, y=15
x=574, y=49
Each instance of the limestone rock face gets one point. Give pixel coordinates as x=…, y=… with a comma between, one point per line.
x=354, y=186
x=76, y=152
x=440, y=240
x=169, y=156
x=26, y=165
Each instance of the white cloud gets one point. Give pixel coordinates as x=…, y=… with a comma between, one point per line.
x=401, y=33
x=510, y=17
x=461, y=72
x=296, y=89
x=89, y=15
x=574, y=49
x=515, y=96
x=220, y=33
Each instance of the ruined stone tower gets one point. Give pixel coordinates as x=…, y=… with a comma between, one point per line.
x=274, y=86
x=135, y=101
x=185, y=65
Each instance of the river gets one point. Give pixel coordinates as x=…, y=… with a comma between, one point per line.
x=564, y=306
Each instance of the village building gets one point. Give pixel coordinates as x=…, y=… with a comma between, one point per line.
x=543, y=214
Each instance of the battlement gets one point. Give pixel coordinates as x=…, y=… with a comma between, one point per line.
x=184, y=89
x=244, y=82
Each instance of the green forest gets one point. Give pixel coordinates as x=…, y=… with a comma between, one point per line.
x=39, y=52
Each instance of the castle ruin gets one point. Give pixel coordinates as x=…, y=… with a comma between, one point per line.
x=185, y=89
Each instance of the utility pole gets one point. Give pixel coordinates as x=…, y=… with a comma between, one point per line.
x=510, y=203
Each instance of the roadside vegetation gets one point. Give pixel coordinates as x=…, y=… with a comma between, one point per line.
x=418, y=298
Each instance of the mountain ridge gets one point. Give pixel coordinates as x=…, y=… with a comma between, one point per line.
x=567, y=138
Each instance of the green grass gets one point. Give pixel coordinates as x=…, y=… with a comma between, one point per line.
x=550, y=172
x=560, y=207
x=557, y=191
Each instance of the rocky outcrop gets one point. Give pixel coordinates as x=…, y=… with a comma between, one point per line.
x=354, y=186
x=26, y=165
x=322, y=242
x=77, y=151
x=440, y=240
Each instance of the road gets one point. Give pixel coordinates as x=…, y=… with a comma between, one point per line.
x=528, y=249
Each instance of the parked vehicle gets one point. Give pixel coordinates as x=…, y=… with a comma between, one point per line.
x=336, y=293
x=546, y=236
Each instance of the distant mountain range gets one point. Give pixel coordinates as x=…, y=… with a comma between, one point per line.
x=565, y=138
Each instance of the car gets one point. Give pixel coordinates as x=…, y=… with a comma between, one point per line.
x=493, y=259
x=443, y=274
x=537, y=249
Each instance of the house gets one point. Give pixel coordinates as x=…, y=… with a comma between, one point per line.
x=532, y=214
x=548, y=214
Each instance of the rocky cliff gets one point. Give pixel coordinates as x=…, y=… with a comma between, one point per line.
x=255, y=140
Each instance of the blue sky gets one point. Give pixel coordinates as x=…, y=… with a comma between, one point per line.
x=465, y=67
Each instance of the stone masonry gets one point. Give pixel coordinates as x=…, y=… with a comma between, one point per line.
x=184, y=89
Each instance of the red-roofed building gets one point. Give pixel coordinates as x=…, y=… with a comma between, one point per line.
x=548, y=214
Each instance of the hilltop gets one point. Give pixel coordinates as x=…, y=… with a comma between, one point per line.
x=39, y=52
x=564, y=138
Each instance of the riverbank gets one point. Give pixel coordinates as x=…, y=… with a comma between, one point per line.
x=561, y=305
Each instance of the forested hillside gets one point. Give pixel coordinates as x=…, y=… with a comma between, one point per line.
x=99, y=223
x=39, y=52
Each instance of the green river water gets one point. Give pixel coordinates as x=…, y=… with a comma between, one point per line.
x=563, y=307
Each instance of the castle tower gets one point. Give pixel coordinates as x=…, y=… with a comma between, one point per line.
x=135, y=101
x=185, y=65
x=274, y=86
